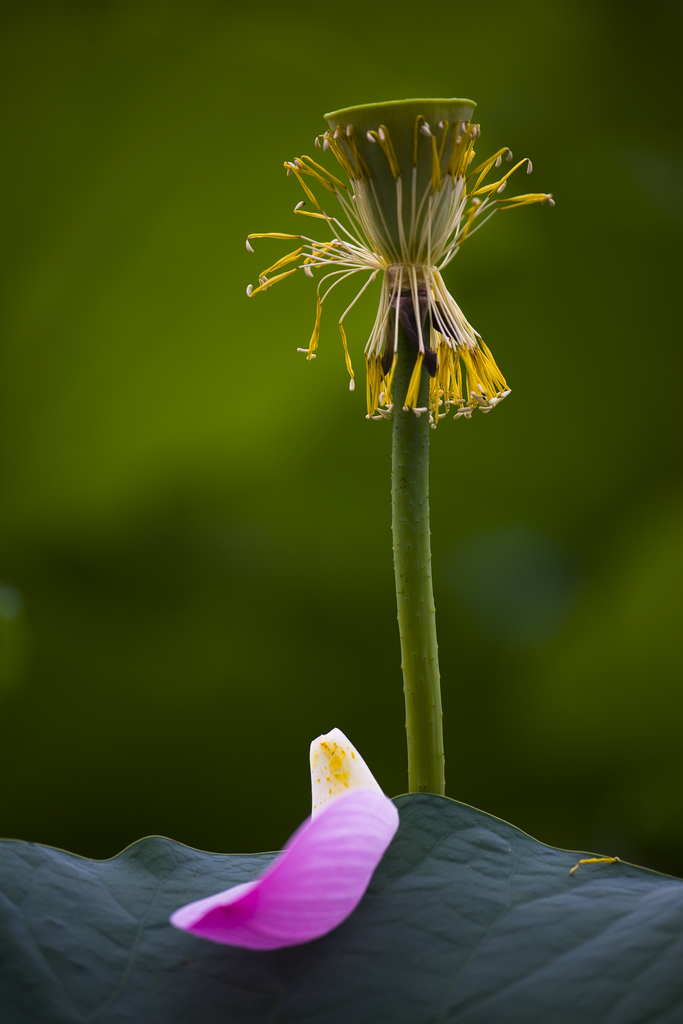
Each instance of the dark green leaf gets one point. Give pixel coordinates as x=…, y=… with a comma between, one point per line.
x=467, y=919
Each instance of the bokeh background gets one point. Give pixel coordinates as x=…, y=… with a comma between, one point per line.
x=195, y=550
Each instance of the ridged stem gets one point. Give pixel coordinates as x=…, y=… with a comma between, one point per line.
x=413, y=570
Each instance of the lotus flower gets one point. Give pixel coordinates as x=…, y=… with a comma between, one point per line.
x=323, y=870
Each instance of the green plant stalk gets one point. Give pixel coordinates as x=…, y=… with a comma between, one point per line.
x=413, y=570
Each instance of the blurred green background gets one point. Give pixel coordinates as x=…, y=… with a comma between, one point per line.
x=195, y=550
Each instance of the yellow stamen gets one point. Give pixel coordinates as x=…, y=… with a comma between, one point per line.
x=313, y=343
x=496, y=184
x=384, y=139
x=483, y=376
x=377, y=383
x=480, y=383
x=298, y=167
x=325, y=173
x=283, y=262
x=388, y=381
x=271, y=234
x=526, y=200
x=344, y=147
x=593, y=860
x=349, y=367
x=484, y=168
x=413, y=392
x=469, y=219
x=296, y=171
x=443, y=140
x=342, y=158
x=361, y=166
x=436, y=393
x=273, y=280
x=373, y=373
x=436, y=167
x=461, y=153
x=416, y=129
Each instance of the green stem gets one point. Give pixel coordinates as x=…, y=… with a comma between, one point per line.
x=413, y=569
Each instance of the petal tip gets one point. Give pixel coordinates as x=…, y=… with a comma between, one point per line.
x=336, y=768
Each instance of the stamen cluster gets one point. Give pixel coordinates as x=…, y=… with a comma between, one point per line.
x=407, y=215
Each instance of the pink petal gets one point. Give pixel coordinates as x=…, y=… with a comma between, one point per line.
x=315, y=883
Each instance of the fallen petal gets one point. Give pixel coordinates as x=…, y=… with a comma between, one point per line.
x=315, y=883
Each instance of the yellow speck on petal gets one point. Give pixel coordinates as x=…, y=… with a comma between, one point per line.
x=343, y=769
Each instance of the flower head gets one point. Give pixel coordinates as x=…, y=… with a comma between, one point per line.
x=324, y=869
x=412, y=200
